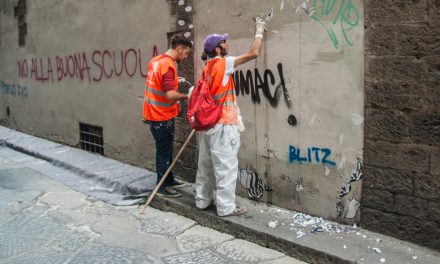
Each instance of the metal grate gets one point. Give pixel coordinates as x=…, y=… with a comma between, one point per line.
x=91, y=138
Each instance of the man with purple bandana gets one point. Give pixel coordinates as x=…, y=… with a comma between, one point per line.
x=218, y=146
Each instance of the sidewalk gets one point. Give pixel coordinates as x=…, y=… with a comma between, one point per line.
x=301, y=236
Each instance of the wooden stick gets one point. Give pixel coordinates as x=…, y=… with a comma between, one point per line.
x=150, y=198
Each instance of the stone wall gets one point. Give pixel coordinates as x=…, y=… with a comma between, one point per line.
x=401, y=183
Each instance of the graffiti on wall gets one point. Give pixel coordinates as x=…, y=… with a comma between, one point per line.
x=92, y=67
x=13, y=89
x=249, y=83
x=355, y=175
x=310, y=155
x=252, y=182
x=343, y=14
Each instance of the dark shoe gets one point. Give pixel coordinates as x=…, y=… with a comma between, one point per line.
x=168, y=192
x=177, y=183
x=239, y=210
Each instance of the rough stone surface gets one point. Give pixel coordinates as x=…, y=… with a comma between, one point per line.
x=427, y=187
x=411, y=157
x=394, y=181
x=392, y=125
x=383, y=42
x=232, y=250
x=382, y=200
x=402, y=119
x=395, y=11
x=199, y=237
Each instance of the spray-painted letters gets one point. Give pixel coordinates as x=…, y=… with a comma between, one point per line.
x=343, y=12
x=92, y=66
x=13, y=89
x=245, y=84
x=310, y=155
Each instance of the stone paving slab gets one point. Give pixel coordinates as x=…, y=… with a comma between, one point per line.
x=244, y=251
x=199, y=237
x=116, y=182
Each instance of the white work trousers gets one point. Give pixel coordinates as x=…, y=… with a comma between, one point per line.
x=218, y=167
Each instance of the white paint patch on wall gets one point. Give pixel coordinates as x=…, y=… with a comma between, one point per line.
x=356, y=119
x=342, y=162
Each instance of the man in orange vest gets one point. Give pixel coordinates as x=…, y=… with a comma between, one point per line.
x=218, y=147
x=161, y=107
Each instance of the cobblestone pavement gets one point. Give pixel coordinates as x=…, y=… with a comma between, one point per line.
x=43, y=221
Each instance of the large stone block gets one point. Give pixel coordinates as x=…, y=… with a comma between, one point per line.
x=431, y=67
x=381, y=39
x=187, y=174
x=425, y=128
x=394, y=11
x=434, y=160
x=378, y=199
x=403, y=227
x=411, y=206
x=434, y=9
x=418, y=39
x=394, y=69
x=391, y=125
x=406, y=97
x=189, y=155
x=384, y=154
x=427, y=187
x=434, y=211
x=394, y=181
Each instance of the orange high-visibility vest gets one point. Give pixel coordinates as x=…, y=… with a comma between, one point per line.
x=156, y=106
x=219, y=92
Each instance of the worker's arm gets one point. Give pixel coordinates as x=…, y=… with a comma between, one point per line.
x=175, y=95
x=254, y=51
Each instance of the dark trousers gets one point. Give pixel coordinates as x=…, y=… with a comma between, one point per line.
x=163, y=133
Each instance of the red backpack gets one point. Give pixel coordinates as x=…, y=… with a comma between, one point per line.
x=203, y=113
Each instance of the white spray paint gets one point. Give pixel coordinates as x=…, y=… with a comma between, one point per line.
x=327, y=171
x=187, y=34
x=181, y=2
x=282, y=5
x=188, y=9
x=343, y=160
x=181, y=22
x=356, y=119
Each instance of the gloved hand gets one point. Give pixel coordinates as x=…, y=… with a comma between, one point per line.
x=190, y=90
x=260, y=27
x=181, y=79
x=240, y=125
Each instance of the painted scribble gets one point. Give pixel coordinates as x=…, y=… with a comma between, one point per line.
x=355, y=175
x=250, y=180
x=343, y=14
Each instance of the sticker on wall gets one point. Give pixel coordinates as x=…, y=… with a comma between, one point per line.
x=351, y=208
x=250, y=180
x=299, y=185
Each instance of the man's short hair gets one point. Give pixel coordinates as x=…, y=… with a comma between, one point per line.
x=180, y=41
